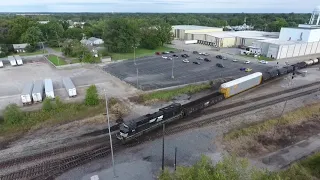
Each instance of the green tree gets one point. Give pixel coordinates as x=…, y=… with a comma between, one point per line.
x=73, y=48
x=150, y=38
x=19, y=26
x=54, y=33
x=164, y=33
x=12, y=114
x=3, y=50
x=92, y=97
x=33, y=36
x=227, y=169
x=31, y=48
x=121, y=35
x=73, y=33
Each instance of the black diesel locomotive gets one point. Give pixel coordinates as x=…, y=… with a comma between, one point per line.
x=137, y=127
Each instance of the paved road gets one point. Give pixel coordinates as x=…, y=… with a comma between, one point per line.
x=288, y=155
x=155, y=72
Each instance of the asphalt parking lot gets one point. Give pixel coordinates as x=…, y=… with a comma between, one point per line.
x=155, y=72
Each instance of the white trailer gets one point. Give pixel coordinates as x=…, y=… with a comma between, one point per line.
x=12, y=60
x=26, y=95
x=37, y=92
x=69, y=86
x=48, y=88
x=18, y=59
x=1, y=64
x=191, y=42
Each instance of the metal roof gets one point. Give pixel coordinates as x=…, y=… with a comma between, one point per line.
x=241, y=80
x=192, y=27
x=19, y=46
x=279, y=42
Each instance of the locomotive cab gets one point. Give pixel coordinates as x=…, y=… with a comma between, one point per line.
x=124, y=131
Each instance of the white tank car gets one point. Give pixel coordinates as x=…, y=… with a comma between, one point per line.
x=309, y=62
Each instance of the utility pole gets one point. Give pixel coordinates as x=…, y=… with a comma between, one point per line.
x=172, y=68
x=59, y=47
x=175, y=158
x=107, y=109
x=163, y=127
x=134, y=54
x=137, y=77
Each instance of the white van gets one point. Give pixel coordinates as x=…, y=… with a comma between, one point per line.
x=1, y=64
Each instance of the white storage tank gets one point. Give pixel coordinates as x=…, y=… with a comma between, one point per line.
x=26, y=95
x=12, y=60
x=69, y=86
x=18, y=60
x=1, y=64
x=37, y=92
x=48, y=88
x=242, y=84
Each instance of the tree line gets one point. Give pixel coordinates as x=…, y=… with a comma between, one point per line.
x=123, y=31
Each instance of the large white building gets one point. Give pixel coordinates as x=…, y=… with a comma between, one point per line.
x=230, y=38
x=293, y=42
x=183, y=32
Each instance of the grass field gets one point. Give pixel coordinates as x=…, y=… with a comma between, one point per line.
x=33, y=53
x=139, y=53
x=56, y=61
x=167, y=95
x=274, y=134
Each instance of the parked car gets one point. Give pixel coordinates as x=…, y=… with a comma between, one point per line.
x=247, y=62
x=242, y=69
x=224, y=58
x=171, y=51
x=158, y=53
x=195, y=52
x=235, y=60
x=170, y=58
x=164, y=57
x=185, y=61
x=201, y=53
x=207, y=60
x=248, y=70
x=184, y=55
x=196, y=62
x=263, y=62
x=219, y=65
x=175, y=56
x=206, y=54
x=165, y=52
x=199, y=58
x=219, y=56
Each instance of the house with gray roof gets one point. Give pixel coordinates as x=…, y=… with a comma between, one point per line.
x=20, y=47
x=92, y=41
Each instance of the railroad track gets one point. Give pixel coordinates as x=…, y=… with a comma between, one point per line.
x=52, y=168
x=51, y=152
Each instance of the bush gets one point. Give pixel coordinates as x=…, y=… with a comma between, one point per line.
x=30, y=48
x=47, y=105
x=12, y=114
x=58, y=103
x=92, y=97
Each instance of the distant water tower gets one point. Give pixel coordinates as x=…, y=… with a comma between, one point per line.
x=315, y=17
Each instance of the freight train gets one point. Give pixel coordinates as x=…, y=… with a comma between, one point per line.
x=134, y=128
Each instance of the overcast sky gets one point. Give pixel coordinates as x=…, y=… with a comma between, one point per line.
x=196, y=6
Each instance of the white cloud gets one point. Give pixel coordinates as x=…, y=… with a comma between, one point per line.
x=162, y=5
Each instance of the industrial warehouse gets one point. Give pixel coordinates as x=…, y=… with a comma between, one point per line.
x=289, y=42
